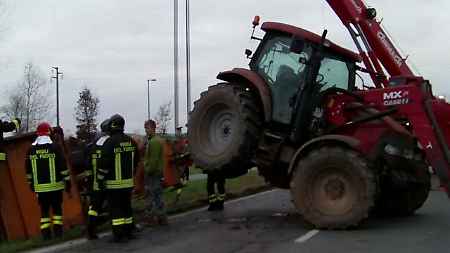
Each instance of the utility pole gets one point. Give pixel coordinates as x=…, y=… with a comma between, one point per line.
x=57, y=93
x=148, y=96
x=175, y=60
x=188, y=59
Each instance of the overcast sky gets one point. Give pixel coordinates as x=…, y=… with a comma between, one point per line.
x=114, y=46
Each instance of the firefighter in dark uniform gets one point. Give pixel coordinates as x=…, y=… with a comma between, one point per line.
x=215, y=199
x=119, y=160
x=97, y=196
x=4, y=128
x=48, y=176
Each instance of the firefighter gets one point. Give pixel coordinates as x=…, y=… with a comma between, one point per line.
x=97, y=196
x=216, y=200
x=153, y=177
x=119, y=159
x=48, y=176
x=7, y=127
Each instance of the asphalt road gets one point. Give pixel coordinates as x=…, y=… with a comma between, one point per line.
x=266, y=222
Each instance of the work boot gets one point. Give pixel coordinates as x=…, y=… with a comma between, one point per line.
x=91, y=234
x=118, y=239
x=118, y=235
x=129, y=234
x=91, y=229
x=219, y=206
x=212, y=206
x=46, y=234
x=58, y=230
x=163, y=221
x=91, y=237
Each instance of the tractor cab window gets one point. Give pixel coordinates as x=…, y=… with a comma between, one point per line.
x=283, y=72
x=334, y=73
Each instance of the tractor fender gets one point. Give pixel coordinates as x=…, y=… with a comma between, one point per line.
x=335, y=139
x=241, y=75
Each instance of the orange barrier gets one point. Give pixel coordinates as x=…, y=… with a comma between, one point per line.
x=171, y=176
x=19, y=210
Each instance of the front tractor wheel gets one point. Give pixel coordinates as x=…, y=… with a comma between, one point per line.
x=333, y=188
x=224, y=129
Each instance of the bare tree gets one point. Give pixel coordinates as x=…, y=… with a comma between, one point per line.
x=16, y=105
x=163, y=117
x=29, y=100
x=86, y=113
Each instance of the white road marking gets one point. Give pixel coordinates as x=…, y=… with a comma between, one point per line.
x=307, y=236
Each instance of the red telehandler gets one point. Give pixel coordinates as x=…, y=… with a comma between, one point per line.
x=344, y=151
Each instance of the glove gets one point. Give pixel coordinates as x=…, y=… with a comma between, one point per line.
x=101, y=185
x=17, y=122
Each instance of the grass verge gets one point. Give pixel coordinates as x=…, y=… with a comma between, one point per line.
x=194, y=170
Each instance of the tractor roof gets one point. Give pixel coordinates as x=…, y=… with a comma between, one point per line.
x=307, y=35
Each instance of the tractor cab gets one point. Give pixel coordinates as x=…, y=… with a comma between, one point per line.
x=284, y=60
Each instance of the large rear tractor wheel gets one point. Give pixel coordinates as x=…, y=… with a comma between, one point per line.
x=224, y=128
x=333, y=188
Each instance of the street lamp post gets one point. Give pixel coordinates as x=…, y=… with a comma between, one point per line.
x=175, y=61
x=148, y=96
x=57, y=74
x=188, y=59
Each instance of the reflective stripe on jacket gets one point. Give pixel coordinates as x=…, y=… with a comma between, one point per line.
x=119, y=159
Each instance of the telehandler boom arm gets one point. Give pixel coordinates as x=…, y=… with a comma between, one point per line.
x=379, y=52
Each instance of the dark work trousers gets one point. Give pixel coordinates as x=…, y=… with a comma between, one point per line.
x=98, y=198
x=186, y=173
x=215, y=178
x=51, y=200
x=121, y=213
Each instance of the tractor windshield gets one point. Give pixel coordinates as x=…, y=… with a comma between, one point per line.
x=334, y=72
x=283, y=72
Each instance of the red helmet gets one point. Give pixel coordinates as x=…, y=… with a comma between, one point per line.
x=43, y=128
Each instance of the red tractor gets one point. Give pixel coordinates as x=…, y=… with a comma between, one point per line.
x=344, y=151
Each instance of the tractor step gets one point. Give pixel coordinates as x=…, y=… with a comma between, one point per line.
x=268, y=150
x=273, y=136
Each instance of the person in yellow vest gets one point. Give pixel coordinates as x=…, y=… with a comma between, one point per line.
x=48, y=176
x=97, y=196
x=119, y=159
